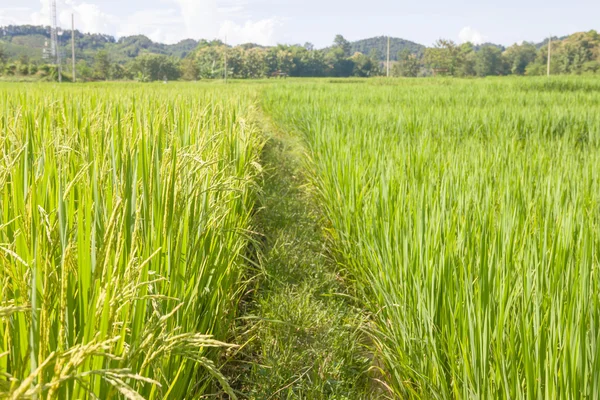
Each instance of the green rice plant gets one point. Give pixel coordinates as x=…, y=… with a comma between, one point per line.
x=468, y=215
x=123, y=219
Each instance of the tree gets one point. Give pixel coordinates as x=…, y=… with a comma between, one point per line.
x=518, y=57
x=408, y=64
x=467, y=55
x=189, y=69
x=374, y=54
x=312, y=63
x=488, y=61
x=255, y=63
x=444, y=58
x=363, y=65
x=342, y=43
x=154, y=67
x=571, y=57
x=10, y=69
x=339, y=65
x=118, y=72
x=101, y=65
x=3, y=55
x=285, y=60
x=591, y=67
x=209, y=61
x=84, y=72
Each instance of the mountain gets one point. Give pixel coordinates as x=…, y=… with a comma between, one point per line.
x=30, y=41
x=488, y=44
x=380, y=43
x=544, y=43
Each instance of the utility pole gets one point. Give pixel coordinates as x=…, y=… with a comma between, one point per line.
x=54, y=35
x=388, y=58
x=549, y=50
x=73, y=44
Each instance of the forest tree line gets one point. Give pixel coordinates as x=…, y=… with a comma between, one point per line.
x=575, y=54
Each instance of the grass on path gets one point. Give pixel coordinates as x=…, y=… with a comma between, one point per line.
x=304, y=333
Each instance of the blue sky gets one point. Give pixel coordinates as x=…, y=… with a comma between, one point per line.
x=316, y=21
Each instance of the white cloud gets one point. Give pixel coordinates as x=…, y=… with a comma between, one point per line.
x=14, y=16
x=88, y=17
x=210, y=19
x=174, y=21
x=158, y=25
x=261, y=32
x=468, y=34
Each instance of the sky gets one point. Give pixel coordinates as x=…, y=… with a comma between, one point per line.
x=270, y=22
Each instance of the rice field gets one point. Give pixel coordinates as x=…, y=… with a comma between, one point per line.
x=463, y=217
x=467, y=213
x=123, y=227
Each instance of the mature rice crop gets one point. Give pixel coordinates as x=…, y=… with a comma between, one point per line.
x=123, y=218
x=468, y=213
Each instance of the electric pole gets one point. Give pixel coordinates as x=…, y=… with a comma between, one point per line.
x=549, y=50
x=54, y=38
x=73, y=44
x=388, y=57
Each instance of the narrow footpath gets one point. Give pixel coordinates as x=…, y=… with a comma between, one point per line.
x=302, y=331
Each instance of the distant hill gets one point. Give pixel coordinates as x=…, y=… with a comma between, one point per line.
x=379, y=43
x=544, y=43
x=487, y=44
x=29, y=40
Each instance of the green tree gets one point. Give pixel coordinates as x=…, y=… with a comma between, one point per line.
x=571, y=57
x=255, y=63
x=363, y=65
x=375, y=54
x=313, y=63
x=339, y=65
x=154, y=67
x=535, y=69
x=84, y=72
x=466, y=66
x=118, y=72
x=444, y=57
x=209, y=61
x=3, y=60
x=408, y=64
x=189, y=69
x=101, y=65
x=33, y=69
x=518, y=57
x=591, y=67
x=488, y=61
x=285, y=60
x=10, y=69
x=342, y=43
